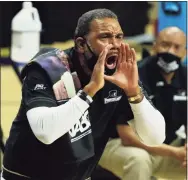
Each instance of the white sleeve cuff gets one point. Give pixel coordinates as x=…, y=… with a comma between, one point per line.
x=82, y=105
x=138, y=107
x=148, y=122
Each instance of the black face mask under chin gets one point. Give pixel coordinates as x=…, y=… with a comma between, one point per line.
x=168, y=62
x=93, y=60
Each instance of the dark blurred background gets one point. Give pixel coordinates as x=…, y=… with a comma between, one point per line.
x=59, y=18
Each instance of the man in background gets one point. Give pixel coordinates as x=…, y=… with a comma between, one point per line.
x=165, y=80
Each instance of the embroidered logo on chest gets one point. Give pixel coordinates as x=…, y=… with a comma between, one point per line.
x=112, y=97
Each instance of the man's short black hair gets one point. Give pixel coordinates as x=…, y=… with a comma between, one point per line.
x=84, y=21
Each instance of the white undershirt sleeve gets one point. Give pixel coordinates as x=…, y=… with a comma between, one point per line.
x=148, y=123
x=49, y=124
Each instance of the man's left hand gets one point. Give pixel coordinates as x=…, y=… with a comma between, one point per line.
x=126, y=75
x=184, y=164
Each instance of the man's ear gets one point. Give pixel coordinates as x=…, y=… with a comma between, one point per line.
x=185, y=53
x=154, y=47
x=80, y=44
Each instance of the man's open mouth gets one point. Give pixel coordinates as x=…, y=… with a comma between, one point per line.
x=111, y=61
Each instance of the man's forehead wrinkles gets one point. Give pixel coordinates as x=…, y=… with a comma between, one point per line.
x=175, y=37
x=110, y=23
x=172, y=40
x=111, y=32
x=110, y=29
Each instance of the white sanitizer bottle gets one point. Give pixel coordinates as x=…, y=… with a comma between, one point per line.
x=26, y=28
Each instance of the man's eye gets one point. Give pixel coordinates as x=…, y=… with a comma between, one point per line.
x=120, y=37
x=104, y=36
x=177, y=47
x=165, y=44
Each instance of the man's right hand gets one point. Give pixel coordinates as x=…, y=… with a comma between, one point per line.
x=97, y=78
x=180, y=154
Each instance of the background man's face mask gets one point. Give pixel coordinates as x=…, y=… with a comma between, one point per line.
x=168, y=62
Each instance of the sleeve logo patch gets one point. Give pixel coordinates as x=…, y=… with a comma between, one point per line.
x=39, y=87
